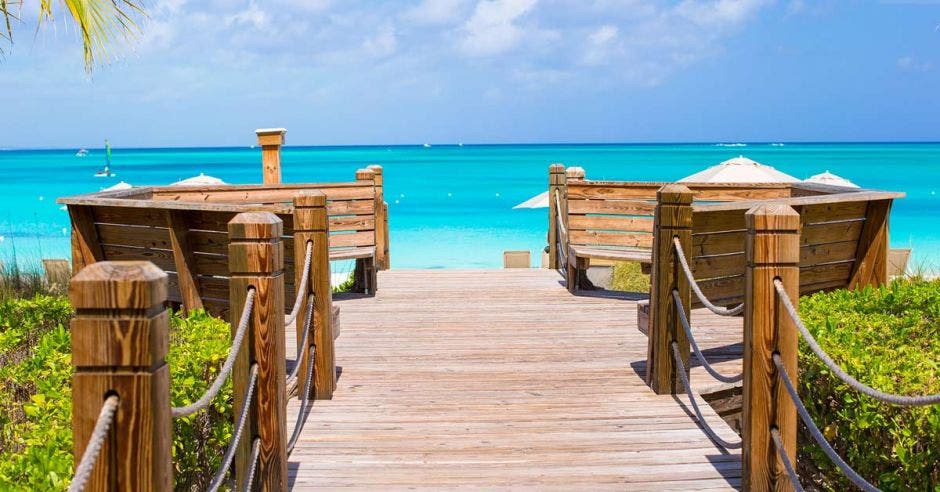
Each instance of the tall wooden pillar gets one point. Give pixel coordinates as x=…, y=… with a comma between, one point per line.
x=270, y=140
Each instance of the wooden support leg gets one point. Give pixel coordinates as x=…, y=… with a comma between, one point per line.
x=571, y=279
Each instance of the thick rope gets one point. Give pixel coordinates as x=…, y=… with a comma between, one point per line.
x=814, y=431
x=721, y=311
x=302, y=288
x=255, y=452
x=302, y=348
x=698, y=413
x=698, y=353
x=902, y=400
x=239, y=429
x=220, y=380
x=95, y=442
x=787, y=464
x=304, y=405
x=563, y=245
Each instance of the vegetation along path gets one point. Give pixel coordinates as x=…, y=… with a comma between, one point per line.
x=501, y=378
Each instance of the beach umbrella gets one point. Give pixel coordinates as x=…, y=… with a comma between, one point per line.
x=201, y=180
x=827, y=178
x=537, y=201
x=123, y=185
x=739, y=170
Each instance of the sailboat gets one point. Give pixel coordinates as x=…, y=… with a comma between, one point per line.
x=106, y=172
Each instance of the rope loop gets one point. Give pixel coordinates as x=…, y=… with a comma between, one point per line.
x=302, y=348
x=721, y=311
x=236, y=437
x=698, y=413
x=894, y=399
x=684, y=321
x=95, y=442
x=302, y=288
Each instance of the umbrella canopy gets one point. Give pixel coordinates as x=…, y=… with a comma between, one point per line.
x=827, y=178
x=739, y=170
x=537, y=201
x=123, y=185
x=201, y=180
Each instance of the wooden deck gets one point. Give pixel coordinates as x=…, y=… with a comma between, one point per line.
x=502, y=379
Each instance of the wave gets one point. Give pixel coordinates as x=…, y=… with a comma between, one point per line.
x=730, y=145
x=776, y=145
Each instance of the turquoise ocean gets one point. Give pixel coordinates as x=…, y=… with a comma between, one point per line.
x=451, y=206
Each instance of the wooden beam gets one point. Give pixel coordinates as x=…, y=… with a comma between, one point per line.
x=183, y=259
x=270, y=140
x=382, y=261
x=85, y=246
x=773, y=252
x=120, y=336
x=871, y=260
x=556, y=184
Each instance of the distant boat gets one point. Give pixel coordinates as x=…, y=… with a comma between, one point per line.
x=81, y=153
x=427, y=146
x=106, y=172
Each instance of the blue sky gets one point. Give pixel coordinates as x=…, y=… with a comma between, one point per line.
x=206, y=73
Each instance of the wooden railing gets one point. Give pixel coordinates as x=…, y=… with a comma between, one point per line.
x=120, y=337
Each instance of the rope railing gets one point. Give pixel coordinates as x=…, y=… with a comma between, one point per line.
x=302, y=287
x=683, y=261
x=559, y=220
x=229, y=455
x=698, y=413
x=684, y=321
x=304, y=404
x=787, y=464
x=255, y=453
x=814, y=431
x=213, y=391
x=302, y=348
x=894, y=399
x=95, y=442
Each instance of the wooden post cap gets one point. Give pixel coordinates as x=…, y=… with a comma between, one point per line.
x=575, y=172
x=365, y=175
x=556, y=168
x=776, y=228
x=674, y=193
x=271, y=136
x=376, y=168
x=118, y=285
x=310, y=198
x=773, y=217
x=255, y=225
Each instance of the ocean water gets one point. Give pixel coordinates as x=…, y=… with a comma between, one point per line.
x=451, y=206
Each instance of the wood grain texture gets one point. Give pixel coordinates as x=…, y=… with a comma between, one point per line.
x=183, y=260
x=499, y=379
x=120, y=336
x=556, y=183
x=381, y=218
x=871, y=261
x=86, y=248
x=772, y=252
x=256, y=261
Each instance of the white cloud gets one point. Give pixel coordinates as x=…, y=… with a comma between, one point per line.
x=492, y=29
x=912, y=64
x=383, y=44
x=250, y=17
x=435, y=12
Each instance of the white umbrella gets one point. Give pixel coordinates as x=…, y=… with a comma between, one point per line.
x=201, y=180
x=123, y=185
x=537, y=201
x=827, y=178
x=740, y=170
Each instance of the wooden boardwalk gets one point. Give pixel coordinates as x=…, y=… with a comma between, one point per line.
x=501, y=379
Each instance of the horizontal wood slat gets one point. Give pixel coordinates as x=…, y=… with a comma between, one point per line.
x=618, y=207
x=608, y=223
x=610, y=239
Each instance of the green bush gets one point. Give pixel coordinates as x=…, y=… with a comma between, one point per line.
x=35, y=395
x=888, y=338
x=628, y=277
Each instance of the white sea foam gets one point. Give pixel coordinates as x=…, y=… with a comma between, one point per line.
x=730, y=145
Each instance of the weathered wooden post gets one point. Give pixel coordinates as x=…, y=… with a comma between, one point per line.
x=381, y=219
x=575, y=274
x=772, y=252
x=364, y=279
x=311, y=224
x=120, y=335
x=256, y=261
x=673, y=220
x=270, y=140
x=871, y=259
x=556, y=187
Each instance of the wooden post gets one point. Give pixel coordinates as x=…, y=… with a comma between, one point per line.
x=673, y=220
x=772, y=251
x=871, y=259
x=311, y=224
x=364, y=277
x=574, y=173
x=381, y=219
x=183, y=259
x=270, y=140
x=256, y=260
x=556, y=183
x=85, y=246
x=120, y=335
x=576, y=272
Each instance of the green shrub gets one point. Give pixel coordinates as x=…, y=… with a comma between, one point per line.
x=35, y=395
x=628, y=277
x=888, y=338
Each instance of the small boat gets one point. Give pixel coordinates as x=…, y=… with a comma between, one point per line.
x=106, y=172
x=81, y=153
x=427, y=146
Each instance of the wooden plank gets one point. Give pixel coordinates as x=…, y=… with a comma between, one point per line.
x=832, y=212
x=362, y=238
x=830, y=233
x=351, y=207
x=352, y=223
x=827, y=253
x=856, y=196
x=183, y=260
x=717, y=221
x=634, y=240
x=705, y=267
x=86, y=247
x=608, y=223
x=718, y=243
x=264, y=195
x=617, y=207
x=607, y=190
x=871, y=265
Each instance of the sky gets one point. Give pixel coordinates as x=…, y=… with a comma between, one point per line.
x=346, y=72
